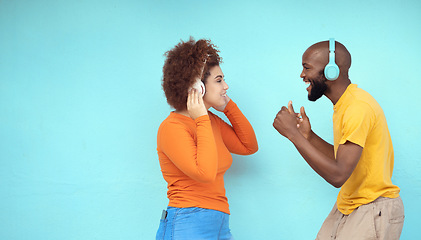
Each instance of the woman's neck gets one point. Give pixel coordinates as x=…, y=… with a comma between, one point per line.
x=183, y=112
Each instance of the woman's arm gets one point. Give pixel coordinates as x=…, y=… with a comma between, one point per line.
x=240, y=137
x=197, y=158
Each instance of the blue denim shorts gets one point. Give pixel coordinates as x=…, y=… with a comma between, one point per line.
x=193, y=223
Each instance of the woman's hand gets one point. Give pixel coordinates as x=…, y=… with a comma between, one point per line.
x=195, y=105
x=222, y=107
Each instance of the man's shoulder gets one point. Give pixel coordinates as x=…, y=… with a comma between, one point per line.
x=361, y=98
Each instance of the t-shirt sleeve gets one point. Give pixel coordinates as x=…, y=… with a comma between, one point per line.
x=196, y=156
x=357, y=122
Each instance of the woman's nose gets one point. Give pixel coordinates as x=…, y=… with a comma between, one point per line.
x=226, y=86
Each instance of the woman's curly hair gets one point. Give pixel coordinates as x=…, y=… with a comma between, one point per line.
x=183, y=65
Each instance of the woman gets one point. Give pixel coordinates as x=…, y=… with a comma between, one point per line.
x=194, y=145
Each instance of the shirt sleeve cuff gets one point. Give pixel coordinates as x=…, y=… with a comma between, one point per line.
x=230, y=106
x=203, y=118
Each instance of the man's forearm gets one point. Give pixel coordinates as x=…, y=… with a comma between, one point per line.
x=326, y=166
x=320, y=144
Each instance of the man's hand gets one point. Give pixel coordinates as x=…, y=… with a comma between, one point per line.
x=304, y=123
x=195, y=105
x=287, y=122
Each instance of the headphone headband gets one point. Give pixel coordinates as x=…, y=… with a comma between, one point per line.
x=332, y=50
x=331, y=69
x=331, y=44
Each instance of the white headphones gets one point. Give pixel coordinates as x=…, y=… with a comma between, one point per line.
x=198, y=84
x=331, y=69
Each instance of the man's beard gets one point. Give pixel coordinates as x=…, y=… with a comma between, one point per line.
x=318, y=89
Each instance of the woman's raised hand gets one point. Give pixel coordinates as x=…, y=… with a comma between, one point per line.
x=195, y=105
x=222, y=108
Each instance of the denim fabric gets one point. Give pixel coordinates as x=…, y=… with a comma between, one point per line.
x=194, y=223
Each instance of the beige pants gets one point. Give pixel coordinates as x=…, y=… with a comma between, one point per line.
x=380, y=219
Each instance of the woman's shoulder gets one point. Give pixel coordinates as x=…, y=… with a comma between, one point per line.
x=175, y=123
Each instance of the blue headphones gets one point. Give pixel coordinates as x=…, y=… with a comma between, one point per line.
x=331, y=69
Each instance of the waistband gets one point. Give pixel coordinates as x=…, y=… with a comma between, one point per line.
x=383, y=199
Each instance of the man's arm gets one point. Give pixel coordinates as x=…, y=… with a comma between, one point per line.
x=305, y=128
x=334, y=171
x=320, y=144
x=319, y=156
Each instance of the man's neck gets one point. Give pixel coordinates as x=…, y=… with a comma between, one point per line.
x=337, y=89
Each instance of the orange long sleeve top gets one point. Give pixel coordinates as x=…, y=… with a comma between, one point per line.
x=195, y=154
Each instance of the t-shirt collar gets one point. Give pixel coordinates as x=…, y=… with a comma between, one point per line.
x=344, y=96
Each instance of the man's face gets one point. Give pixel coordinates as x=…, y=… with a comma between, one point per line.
x=313, y=75
x=317, y=87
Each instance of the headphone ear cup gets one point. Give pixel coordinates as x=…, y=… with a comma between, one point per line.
x=200, y=86
x=331, y=72
x=203, y=88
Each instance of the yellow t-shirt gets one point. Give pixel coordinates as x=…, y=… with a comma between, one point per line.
x=358, y=118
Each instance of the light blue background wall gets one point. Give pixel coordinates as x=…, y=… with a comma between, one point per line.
x=81, y=101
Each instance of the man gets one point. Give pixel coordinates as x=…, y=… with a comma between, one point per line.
x=360, y=162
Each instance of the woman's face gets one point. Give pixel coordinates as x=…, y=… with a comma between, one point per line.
x=216, y=88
